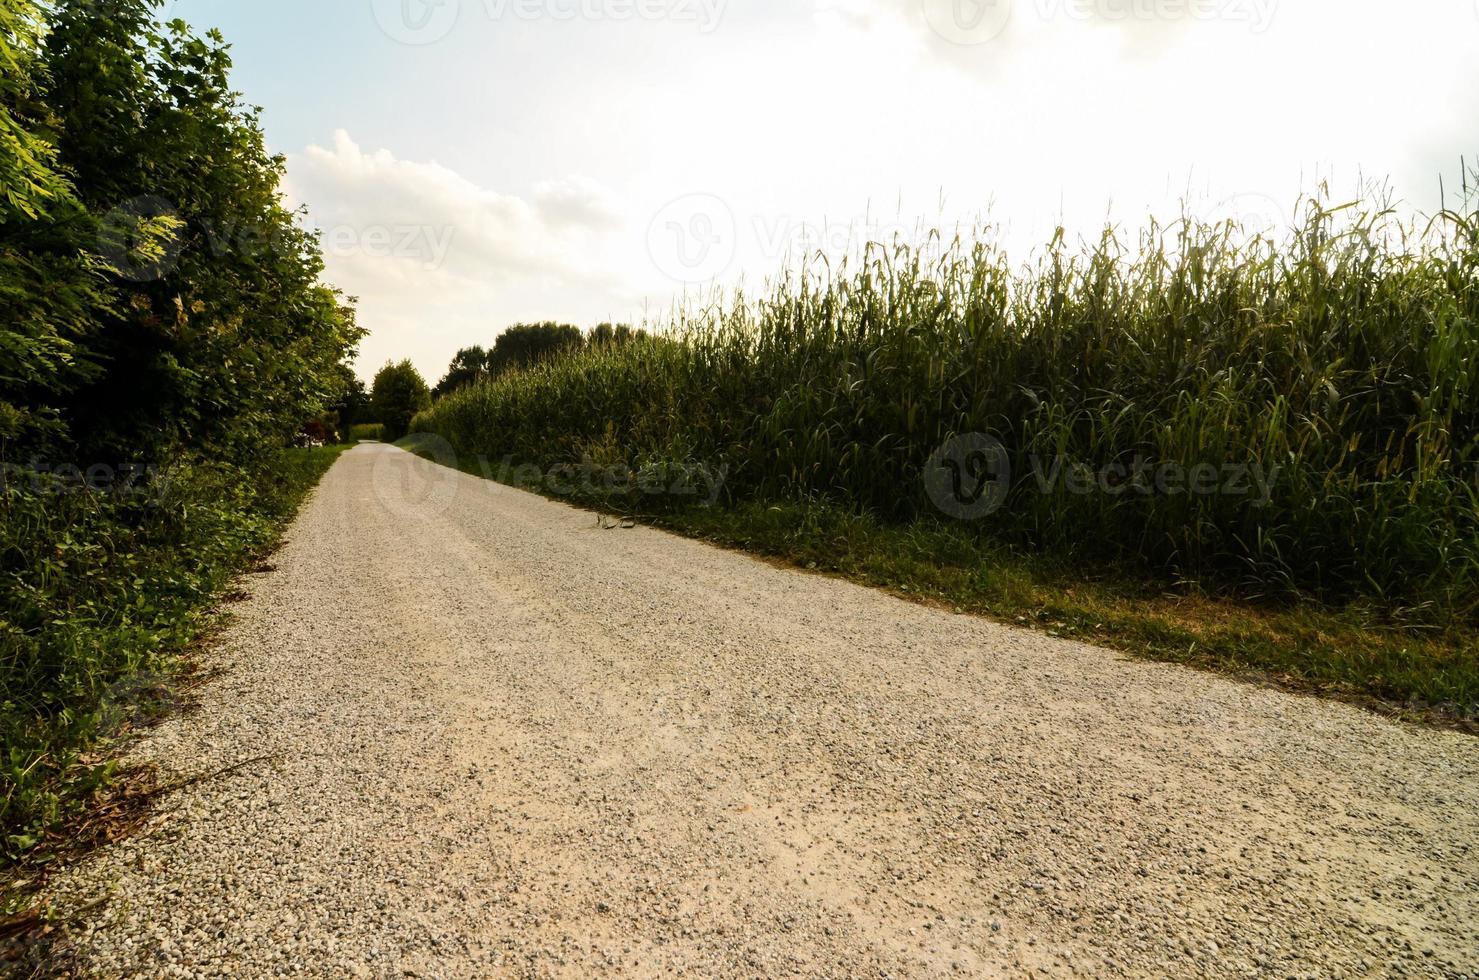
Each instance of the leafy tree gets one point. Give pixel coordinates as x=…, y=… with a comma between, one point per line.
x=158, y=304
x=33, y=186
x=50, y=288
x=353, y=406
x=528, y=343
x=223, y=338
x=399, y=392
x=611, y=335
x=470, y=365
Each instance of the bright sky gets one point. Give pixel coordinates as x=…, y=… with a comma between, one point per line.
x=476, y=163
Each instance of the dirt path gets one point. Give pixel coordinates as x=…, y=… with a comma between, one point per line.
x=509, y=742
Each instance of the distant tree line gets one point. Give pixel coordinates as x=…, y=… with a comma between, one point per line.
x=399, y=392
x=524, y=344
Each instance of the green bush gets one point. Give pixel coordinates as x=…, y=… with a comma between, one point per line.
x=216, y=331
x=102, y=590
x=366, y=432
x=1342, y=361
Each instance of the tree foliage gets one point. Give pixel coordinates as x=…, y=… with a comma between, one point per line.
x=33, y=186
x=524, y=344
x=222, y=336
x=613, y=334
x=353, y=407
x=50, y=288
x=399, y=392
x=529, y=343
x=469, y=365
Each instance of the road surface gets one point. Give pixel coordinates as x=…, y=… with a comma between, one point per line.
x=504, y=741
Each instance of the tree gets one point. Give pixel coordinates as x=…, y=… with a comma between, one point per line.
x=470, y=365
x=222, y=338
x=529, y=343
x=353, y=406
x=613, y=335
x=33, y=186
x=399, y=392
x=51, y=292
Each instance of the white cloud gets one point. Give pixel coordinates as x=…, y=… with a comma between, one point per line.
x=432, y=216
x=577, y=202
x=438, y=261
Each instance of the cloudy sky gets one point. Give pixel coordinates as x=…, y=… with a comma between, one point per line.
x=475, y=163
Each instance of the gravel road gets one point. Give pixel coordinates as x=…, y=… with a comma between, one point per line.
x=504, y=741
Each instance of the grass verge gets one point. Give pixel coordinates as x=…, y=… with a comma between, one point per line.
x=1350, y=653
x=109, y=592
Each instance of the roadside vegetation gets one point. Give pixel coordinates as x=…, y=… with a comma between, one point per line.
x=524, y=344
x=398, y=394
x=164, y=336
x=1209, y=445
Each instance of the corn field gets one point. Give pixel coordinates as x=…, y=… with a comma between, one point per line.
x=1342, y=359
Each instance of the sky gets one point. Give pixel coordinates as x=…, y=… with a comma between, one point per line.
x=478, y=163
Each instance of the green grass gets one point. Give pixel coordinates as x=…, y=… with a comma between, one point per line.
x=102, y=594
x=1351, y=653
